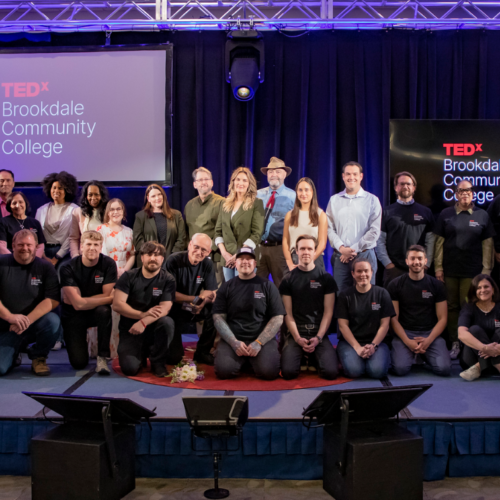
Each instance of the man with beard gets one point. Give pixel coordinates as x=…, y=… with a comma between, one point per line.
x=87, y=284
x=421, y=316
x=248, y=314
x=143, y=298
x=6, y=186
x=404, y=223
x=29, y=292
x=195, y=292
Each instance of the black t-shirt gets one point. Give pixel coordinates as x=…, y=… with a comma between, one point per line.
x=9, y=226
x=22, y=288
x=494, y=213
x=405, y=225
x=471, y=315
x=89, y=280
x=417, y=301
x=463, y=234
x=189, y=279
x=144, y=293
x=308, y=290
x=364, y=311
x=249, y=305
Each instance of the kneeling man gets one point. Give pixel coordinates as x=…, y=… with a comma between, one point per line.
x=364, y=312
x=29, y=291
x=248, y=313
x=309, y=297
x=421, y=316
x=143, y=298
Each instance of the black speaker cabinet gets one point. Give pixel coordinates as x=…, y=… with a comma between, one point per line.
x=383, y=461
x=71, y=462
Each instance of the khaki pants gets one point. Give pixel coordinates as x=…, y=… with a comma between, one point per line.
x=456, y=289
x=272, y=262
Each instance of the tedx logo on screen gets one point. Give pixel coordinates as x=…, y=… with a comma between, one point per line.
x=462, y=149
x=24, y=89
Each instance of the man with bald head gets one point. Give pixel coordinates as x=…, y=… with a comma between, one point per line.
x=464, y=249
x=196, y=287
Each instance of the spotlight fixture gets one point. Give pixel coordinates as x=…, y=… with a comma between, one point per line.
x=244, y=62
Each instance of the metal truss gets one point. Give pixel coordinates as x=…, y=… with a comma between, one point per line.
x=93, y=15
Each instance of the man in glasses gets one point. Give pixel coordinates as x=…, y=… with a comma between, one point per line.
x=201, y=212
x=195, y=293
x=464, y=249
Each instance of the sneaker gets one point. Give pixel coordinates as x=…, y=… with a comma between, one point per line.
x=159, y=370
x=455, y=350
x=203, y=359
x=57, y=346
x=39, y=366
x=303, y=366
x=102, y=367
x=311, y=367
x=472, y=373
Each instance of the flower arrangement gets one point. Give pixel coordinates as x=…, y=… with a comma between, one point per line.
x=186, y=371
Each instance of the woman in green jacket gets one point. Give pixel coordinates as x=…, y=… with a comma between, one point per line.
x=241, y=220
x=158, y=222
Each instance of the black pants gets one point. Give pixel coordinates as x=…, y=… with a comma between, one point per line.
x=324, y=357
x=75, y=325
x=471, y=356
x=185, y=323
x=266, y=364
x=153, y=343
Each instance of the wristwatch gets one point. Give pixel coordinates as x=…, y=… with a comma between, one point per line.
x=320, y=339
x=375, y=346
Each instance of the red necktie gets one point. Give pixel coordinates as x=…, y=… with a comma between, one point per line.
x=270, y=203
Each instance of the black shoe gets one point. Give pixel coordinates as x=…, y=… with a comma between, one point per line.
x=17, y=362
x=203, y=359
x=158, y=369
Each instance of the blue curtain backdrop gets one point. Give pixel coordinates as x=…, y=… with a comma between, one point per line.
x=327, y=98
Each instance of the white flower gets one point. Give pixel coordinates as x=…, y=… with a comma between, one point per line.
x=184, y=377
x=192, y=370
x=185, y=369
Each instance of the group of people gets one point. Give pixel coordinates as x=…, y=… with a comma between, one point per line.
x=142, y=288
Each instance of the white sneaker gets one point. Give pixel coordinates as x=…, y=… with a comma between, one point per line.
x=102, y=366
x=455, y=350
x=57, y=346
x=471, y=373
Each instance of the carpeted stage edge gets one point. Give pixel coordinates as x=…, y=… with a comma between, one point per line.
x=244, y=382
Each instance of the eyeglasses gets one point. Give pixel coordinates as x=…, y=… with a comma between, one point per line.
x=116, y=210
x=464, y=191
x=202, y=250
x=202, y=180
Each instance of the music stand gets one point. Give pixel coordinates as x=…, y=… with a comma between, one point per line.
x=91, y=456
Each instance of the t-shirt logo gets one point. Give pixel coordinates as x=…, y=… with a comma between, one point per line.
x=259, y=295
x=426, y=294
x=199, y=280
x=417, y=217
x=473, y=223
x=99, y=279
x=157, y=292
x=315, y=284
x=497, y=323
x=35, y=281
x=375, y=306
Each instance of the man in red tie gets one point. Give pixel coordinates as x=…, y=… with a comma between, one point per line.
x=278, y=200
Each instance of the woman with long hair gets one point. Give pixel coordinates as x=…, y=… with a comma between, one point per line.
x=241, y=219
x=306, y=218
x=157, y=221
x=89, y=215
x=55, y=216
x=478, y=330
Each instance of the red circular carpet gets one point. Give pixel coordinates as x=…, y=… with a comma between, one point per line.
x=244, y=382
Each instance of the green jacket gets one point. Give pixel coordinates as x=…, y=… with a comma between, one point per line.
x=246, y=224
x=145, y=230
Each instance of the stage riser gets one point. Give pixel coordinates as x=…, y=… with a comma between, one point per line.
x=274, y=450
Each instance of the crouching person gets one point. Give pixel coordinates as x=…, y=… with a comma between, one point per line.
x=143, y=298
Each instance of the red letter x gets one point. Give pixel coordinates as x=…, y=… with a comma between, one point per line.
x=45, y=87
x=478, y=147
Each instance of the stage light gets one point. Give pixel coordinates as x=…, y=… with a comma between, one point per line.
x=244, y=63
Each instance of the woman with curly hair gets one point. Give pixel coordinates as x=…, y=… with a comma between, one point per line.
x=89, y=215
x=55, y=216
x=158, y=222
x=241, y=220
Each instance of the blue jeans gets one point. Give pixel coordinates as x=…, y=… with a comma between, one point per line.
x=342, y=272
x=229, y=273
x=43, y=332
x=375, y=367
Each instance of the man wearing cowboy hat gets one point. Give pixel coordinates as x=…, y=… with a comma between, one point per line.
x=278, y=200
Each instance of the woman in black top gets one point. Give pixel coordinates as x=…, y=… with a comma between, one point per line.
x=479, y=328
x=158, y=222
x=18, y=205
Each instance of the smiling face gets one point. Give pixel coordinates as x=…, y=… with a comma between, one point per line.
x=405, y=188
x=484, y=291
x=362, y=273
x=18, y=207
x=152, y=261
x=155, y=197
x=6, y=184
x=24, y=249
x=305, y=251
x=91, y=249
x=57, y=193
x=352, y=178
x=304, y=192
x=276, y=177
x=464, y=194
x=245, y=265
x=416, y=261
x=94, y=196
x=116, y=213
x=241, y=183
x=199, y=247
x=203, y=183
